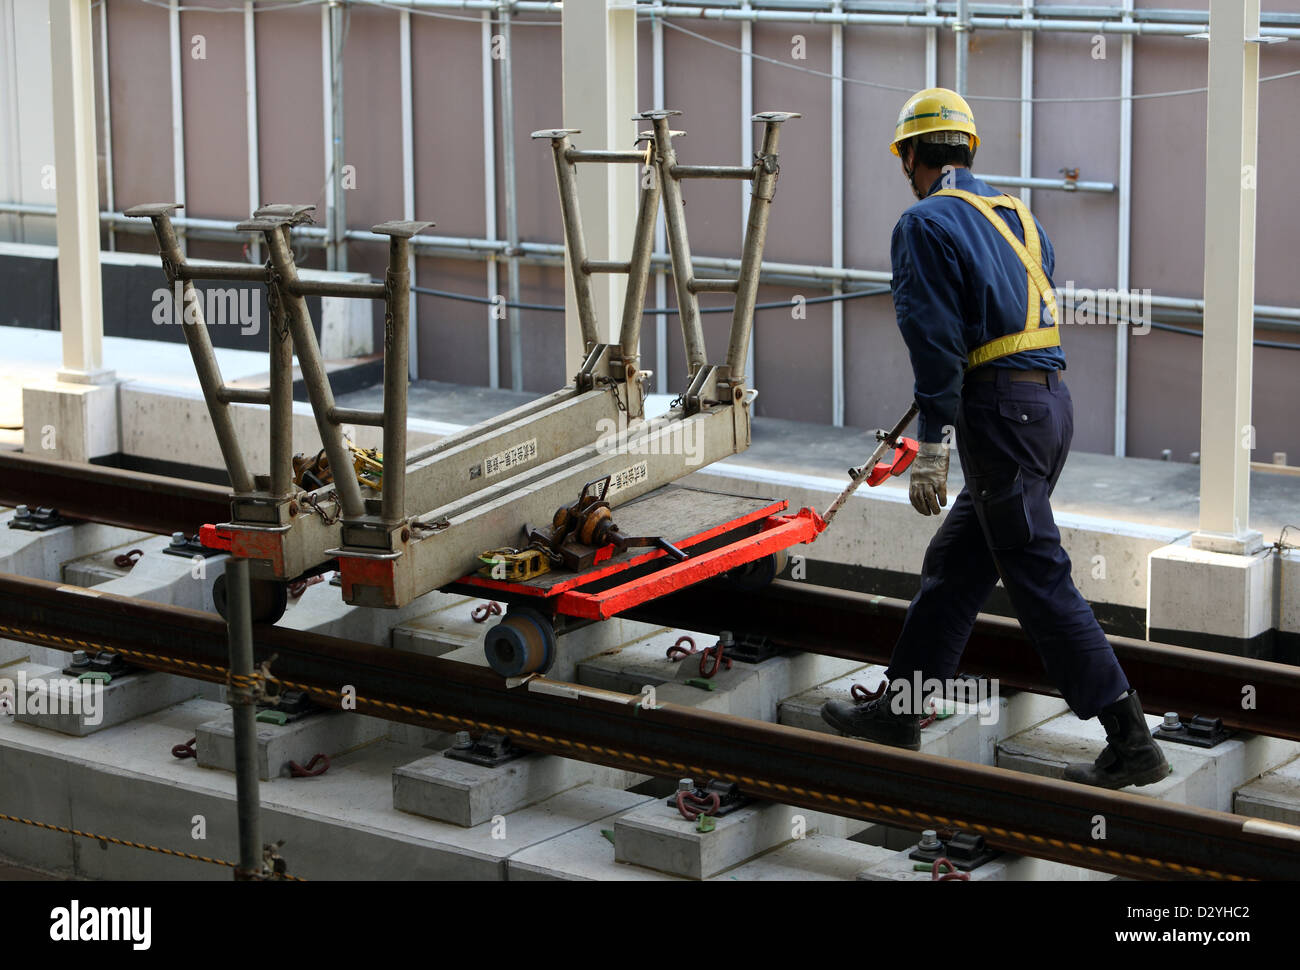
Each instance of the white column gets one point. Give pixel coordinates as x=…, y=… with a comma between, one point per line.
x=600, y=99
x=77, y=193
x=1227, y=435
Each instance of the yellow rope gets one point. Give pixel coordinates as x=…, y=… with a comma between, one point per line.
x=129, y=844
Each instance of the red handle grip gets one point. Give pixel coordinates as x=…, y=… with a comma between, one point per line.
x=902, y=460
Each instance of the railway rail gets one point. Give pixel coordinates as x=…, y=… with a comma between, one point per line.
x=1020, y=813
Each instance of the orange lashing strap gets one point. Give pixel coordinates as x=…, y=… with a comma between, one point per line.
x=1032, y=337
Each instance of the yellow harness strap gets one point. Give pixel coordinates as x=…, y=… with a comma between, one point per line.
x=1032, y=337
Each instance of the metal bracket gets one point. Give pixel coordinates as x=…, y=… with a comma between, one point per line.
x=1198, y=732
x=490, y=750
x=965, y=850
x=41, y=520
x=730, y=797
x=100, y=662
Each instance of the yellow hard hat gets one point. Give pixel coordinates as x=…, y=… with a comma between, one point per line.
x=932, y=110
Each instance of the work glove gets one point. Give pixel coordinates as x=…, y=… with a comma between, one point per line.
x=929, y=484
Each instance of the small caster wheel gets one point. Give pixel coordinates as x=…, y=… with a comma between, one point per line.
x=756, y=575
x=268, y=599
x=522, y=643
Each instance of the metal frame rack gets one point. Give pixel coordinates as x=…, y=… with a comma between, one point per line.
x=476, y=489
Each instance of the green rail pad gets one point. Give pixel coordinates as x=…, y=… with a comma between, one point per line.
x=706, y=823
x=609, y=834
x=700, y=682
x=273, y=717
x=95, y=676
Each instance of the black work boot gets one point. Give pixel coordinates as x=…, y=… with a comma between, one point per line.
x=873, y=719
x=1131, y=755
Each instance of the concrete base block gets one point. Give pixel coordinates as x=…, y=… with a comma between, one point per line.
x=467, y=794
x=48, y=698
x=657, y=837
x=969, y=734
x=446, y=624
x=327, y=732
x=125, y=783
x=71, y=422
x=1205, y=777
x=585, y=854
x=320, y=609
x=1274, y=796
x=750, y=690
x=41, y=555
x=1212, y=600
x=156, y=576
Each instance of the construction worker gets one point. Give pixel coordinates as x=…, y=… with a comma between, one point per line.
x=973, y=296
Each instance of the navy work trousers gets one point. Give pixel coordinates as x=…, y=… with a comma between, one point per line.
x=1013, y=438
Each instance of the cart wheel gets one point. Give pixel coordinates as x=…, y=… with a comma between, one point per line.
x=269, y=598
x=522, y=643
x=756, y=575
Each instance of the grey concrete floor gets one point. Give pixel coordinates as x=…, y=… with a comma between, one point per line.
x=1163, y=493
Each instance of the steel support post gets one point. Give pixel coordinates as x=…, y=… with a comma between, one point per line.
x=638, y=278
x=77, y=222
x=281, y=385
x=397, y=298
x=599, y=64
x=313, y=370
x=679, y=249
x=566, y=180
x=243, y=709
x=1227, y=435
x=766, y=169
x=195, y=331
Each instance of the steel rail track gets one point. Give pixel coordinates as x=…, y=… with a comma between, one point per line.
x=98, y=493
x=1258, y=696
x=1021, y=813
x=796, y=615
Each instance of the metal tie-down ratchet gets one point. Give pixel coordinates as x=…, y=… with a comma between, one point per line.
x=582, y=534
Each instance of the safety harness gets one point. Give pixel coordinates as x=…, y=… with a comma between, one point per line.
x=1032, y=337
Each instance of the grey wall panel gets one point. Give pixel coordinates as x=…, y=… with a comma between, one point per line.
x=373, y=259
x=799, y=230
x=448, y=119
x=792, y=359
x=703, y=82
x=140, y=89
x=542, y=332
x=1275, y=401
x=538, y=104
x=1090, y=375
x=875, y=191
x=1277, y=228
x=1169, y=185
x=878, y=372
x=1085, y=136
x=1164, y=403
x=216, y=122
x=291, y=136
x=372, y=122
x=453, y=333
x=994, y=71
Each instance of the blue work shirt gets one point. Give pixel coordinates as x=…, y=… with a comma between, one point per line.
x=957, y=285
